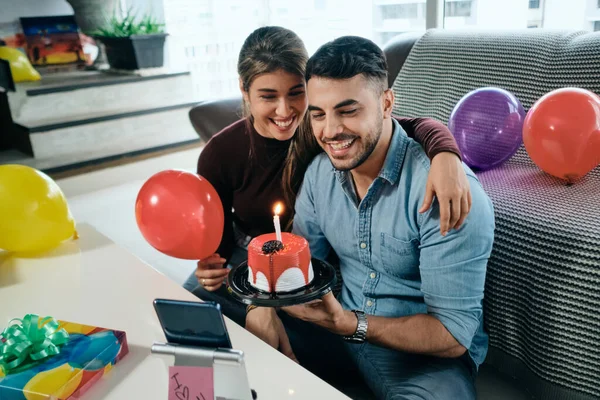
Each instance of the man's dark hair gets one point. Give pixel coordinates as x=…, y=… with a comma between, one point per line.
x=346, y=57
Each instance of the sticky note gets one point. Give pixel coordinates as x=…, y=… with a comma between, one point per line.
x=191, y=383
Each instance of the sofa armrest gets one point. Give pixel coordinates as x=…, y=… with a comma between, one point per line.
x=396, y=52
x=210, y=117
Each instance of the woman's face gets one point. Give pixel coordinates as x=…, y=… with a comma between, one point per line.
x=278, y=103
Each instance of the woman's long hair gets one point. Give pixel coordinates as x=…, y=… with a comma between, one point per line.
x=303, y=149
x=267, y=50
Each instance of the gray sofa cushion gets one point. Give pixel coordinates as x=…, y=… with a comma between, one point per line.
x=542, y=298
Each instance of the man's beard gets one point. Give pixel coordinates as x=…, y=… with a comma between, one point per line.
x=370, y=142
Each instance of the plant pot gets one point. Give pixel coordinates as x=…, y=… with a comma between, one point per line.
x=92, y=14
x=135, y=51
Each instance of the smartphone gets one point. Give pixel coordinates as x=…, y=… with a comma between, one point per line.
x=193, y=323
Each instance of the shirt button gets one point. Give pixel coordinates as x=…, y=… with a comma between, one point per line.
x=363, y=245
x=369, y=303
x=373, y=275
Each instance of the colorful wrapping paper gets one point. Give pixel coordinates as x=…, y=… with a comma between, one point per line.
x=88, y=354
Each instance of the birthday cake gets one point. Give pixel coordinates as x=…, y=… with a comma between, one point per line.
x=279, y=266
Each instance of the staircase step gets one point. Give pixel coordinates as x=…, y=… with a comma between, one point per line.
x=104, y=118
x=58, y=100
x=79, y=143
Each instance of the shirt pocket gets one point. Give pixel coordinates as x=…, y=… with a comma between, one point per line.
x=400, y=258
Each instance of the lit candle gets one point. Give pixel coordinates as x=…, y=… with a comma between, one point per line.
x=277, y=211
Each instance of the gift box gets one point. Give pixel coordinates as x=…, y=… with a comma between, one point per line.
x=62, y=359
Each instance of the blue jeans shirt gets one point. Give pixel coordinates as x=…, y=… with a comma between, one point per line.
x=393, y=260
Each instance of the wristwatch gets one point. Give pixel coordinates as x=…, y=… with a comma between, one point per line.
x=360, y=335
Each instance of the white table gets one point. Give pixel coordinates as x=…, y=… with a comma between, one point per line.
x=93, y=281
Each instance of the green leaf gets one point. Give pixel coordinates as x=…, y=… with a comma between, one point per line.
x=129, y=25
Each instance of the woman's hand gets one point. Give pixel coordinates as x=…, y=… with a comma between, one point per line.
x=210, y=272
x=448, y=182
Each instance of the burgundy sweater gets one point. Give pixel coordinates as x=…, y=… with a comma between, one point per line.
x=252, y=186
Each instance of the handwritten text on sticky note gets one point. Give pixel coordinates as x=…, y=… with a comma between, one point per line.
x=191, y=383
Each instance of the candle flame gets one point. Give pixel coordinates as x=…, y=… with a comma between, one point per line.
x=278, y=208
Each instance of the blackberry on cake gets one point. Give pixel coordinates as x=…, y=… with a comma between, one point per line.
x=272, y=246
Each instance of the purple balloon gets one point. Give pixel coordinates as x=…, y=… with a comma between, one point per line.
x=487, y=124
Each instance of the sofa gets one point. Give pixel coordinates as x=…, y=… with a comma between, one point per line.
x=542, y=293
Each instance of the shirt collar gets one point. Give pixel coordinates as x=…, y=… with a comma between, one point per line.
x=395, y=156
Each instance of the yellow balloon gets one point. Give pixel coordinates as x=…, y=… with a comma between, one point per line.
x=20, y=67
x=34, y=214
x=60, y=382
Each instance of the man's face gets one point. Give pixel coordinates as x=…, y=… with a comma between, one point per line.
x=346, y=118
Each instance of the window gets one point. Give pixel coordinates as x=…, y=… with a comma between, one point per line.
x=519, y=14
x=320, y=4
x=598, y=5
x=390, y=20
x=400, y=11
x=386, y=36
x=458, y=8
x=206, y=35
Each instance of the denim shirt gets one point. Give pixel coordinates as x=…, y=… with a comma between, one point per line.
x=393, y=260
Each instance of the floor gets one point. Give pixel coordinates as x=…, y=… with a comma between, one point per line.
x=106, y=198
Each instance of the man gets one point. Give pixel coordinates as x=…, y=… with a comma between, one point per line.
x=410, y=309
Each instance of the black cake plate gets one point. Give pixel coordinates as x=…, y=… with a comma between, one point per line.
x=322, y=283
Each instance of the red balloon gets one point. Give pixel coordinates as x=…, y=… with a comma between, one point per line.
x=180, y=214
x=561, y=133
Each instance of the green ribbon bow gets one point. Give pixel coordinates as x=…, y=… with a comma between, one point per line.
x=31, y=338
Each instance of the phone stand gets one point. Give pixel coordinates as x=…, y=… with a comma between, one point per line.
x=229, y=369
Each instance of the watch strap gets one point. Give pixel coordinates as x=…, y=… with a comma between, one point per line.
x=360, y=335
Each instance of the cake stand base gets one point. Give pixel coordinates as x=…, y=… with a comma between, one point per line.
x=239, y=287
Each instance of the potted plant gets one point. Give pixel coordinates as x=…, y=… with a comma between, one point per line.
x=91, y=14
x=132, y=43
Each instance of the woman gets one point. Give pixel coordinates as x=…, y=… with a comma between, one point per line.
x=256, y=162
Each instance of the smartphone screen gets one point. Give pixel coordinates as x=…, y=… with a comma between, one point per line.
x=192, y=323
